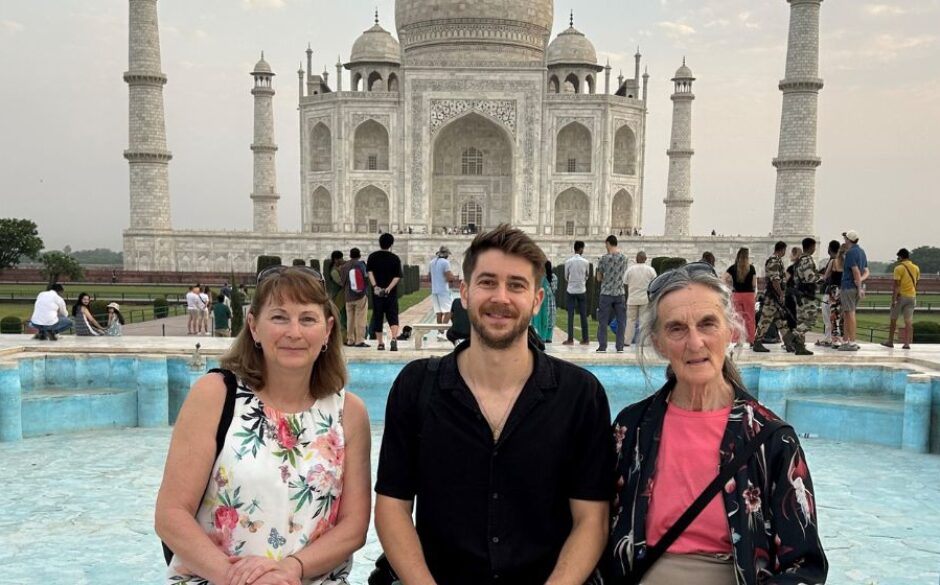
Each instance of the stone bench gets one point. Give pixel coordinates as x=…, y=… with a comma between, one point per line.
x=419, y=329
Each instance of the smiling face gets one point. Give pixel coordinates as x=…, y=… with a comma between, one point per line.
x=693, y=334
x=85, y=300
x=291, y=334
x=501, y=297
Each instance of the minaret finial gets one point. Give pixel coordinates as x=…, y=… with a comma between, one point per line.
x=571, y=18
x=683, y=59
x=376, y=15
x=262, y=54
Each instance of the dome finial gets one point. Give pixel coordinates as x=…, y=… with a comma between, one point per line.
x=683, y=60
x=571, y=19
x=262, y=54
x=376, y=15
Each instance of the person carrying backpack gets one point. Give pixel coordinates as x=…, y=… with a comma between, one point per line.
x=508, y=454
x=353, y=274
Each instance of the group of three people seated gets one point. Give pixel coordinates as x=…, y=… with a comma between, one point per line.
x=507, y=453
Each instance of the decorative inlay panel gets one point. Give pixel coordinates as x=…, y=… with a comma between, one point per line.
x=503, y=111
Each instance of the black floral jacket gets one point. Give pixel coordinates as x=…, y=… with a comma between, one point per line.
x=769, y=502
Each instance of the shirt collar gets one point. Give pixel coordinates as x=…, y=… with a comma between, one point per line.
x=543, y=371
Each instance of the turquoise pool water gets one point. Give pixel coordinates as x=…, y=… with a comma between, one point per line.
x=77, y=505
x=894, y=405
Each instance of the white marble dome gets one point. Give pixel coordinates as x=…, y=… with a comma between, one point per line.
x=375, y=45
x=571, y=47
x=506, y=30
x=683, y=72
x=262, y=66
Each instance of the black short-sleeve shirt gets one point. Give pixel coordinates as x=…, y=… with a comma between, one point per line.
x=496, y=513
x=385, y=266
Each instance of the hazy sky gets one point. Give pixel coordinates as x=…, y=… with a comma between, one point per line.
x=63, y=106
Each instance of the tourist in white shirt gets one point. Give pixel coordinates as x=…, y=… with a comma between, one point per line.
x=49, y=313
x=576, y=273
x=637, y=278
x=194, y=306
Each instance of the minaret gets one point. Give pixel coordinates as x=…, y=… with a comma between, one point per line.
x=796, y=162
x=146, y=154
x=607, y=77
x=264, y=196
x=678, y=187
x=339, y=74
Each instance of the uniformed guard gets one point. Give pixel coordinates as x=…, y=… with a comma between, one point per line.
x=773, y=309
x=805, y=280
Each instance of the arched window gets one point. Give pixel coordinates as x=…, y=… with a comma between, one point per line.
x=590, y=83
x=572, y=84
x=471, y=162
x=392, y=82
x=370, y=147
x=357, y=82
x=553, y=84
x=573, y=149
x=625, y=151
x=471, y=212
x=375, y=82
x=320, y=144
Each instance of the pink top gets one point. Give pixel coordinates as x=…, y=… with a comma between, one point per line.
x=687, y=462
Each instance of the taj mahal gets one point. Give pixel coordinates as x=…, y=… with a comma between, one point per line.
x=470, y=116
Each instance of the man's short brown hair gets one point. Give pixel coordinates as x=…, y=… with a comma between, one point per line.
x=508, y=240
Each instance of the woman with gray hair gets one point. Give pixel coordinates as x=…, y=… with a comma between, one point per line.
x=674, y=519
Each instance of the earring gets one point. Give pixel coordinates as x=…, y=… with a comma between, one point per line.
x=324, y=347
x=258, y=345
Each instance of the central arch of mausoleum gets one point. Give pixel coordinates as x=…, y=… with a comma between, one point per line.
x=472, y=177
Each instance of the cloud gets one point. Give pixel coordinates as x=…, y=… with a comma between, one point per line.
x=879, y=9
x=892, y=45
x=722, y=22
x=675, y=29
x=11, y=26
x=263, y=4
x=744, y=18
x=883, y=48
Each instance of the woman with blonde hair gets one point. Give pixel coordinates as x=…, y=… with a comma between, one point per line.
x=267, y=479
x=741, y=278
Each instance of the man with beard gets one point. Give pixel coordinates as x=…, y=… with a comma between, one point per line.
x=506, y=449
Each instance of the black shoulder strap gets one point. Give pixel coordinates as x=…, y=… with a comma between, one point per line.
x=427, y=387
x=725, y=473
x=225, y=421
x=228, y=408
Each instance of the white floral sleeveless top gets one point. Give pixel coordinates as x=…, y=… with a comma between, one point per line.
x=277, y=484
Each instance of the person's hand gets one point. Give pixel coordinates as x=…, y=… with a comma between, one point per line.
x=249, y=570
x=861, y=293
x=277, y=577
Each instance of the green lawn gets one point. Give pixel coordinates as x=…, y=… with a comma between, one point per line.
x=116, y=292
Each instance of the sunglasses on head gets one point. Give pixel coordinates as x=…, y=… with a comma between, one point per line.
x=659, y=283
x=272, y=270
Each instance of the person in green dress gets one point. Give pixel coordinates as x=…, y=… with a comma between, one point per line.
x=544, y=320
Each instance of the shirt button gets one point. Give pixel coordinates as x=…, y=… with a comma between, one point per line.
x=495, y=540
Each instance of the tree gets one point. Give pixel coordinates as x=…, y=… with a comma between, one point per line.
x=19, y=238
x=927, y=259
x=56, y=264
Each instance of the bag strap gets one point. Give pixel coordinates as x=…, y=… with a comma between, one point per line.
x=708, y=494
x=427, y=388
x=225, y=421
x=910, y=274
